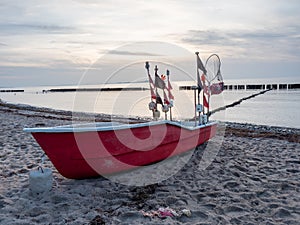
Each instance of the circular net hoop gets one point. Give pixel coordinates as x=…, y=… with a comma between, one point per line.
x=212, y=66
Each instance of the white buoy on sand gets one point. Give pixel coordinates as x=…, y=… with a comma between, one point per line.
x=40, y=181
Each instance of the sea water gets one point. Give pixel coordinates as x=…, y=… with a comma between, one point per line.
x=274, y=108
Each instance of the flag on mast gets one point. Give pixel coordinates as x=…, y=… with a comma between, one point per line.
x=205, y=102
x=166, y=100
x=151, y=81
x=153, y=95
x=169, y=87
x=158, y=99
x=201, y=67
x=152, y=87
x=159, y=82
x=170, y=95
x=169, y=84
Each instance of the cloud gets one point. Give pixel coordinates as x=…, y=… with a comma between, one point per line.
x=119, y=52
x=206, y=37
x=269, y=44
x=15, y=28
x=235, y=37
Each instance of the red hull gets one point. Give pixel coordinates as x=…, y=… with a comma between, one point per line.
x=79, y=154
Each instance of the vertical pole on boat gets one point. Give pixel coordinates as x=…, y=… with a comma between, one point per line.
x=199, y=89
x=203, y=96
x=156, y=69
x=168, y=75
x=208, y=100
x=147, y=66
x=151, y=86
x=195, y=103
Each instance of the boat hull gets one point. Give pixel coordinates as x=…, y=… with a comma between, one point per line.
x=83, y=153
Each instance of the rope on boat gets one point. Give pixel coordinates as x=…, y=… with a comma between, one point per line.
x=237, y=102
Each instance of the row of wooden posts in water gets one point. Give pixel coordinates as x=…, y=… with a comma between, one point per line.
x=253, y=87
x=226, y=87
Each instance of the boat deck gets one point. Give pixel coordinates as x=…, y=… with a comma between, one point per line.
x=106, y=126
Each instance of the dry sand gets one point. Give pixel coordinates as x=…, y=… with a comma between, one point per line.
x=254, y=179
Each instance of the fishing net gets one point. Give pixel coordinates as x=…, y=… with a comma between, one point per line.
x=212, y=66
x=213, y=75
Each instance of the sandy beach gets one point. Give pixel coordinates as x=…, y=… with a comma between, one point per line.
x=254, y=179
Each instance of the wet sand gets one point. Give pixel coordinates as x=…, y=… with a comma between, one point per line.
x=253, y=179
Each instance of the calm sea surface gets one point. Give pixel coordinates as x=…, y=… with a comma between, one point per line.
x=276, y=107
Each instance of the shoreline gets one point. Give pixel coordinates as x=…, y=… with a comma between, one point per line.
x=48, y=113
x=254, y=178
x=262, y=131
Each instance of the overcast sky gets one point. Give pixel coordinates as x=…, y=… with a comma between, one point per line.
x=54, y=42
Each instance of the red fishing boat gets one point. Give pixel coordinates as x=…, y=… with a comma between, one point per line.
x=108, y=147
x=93, y=149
